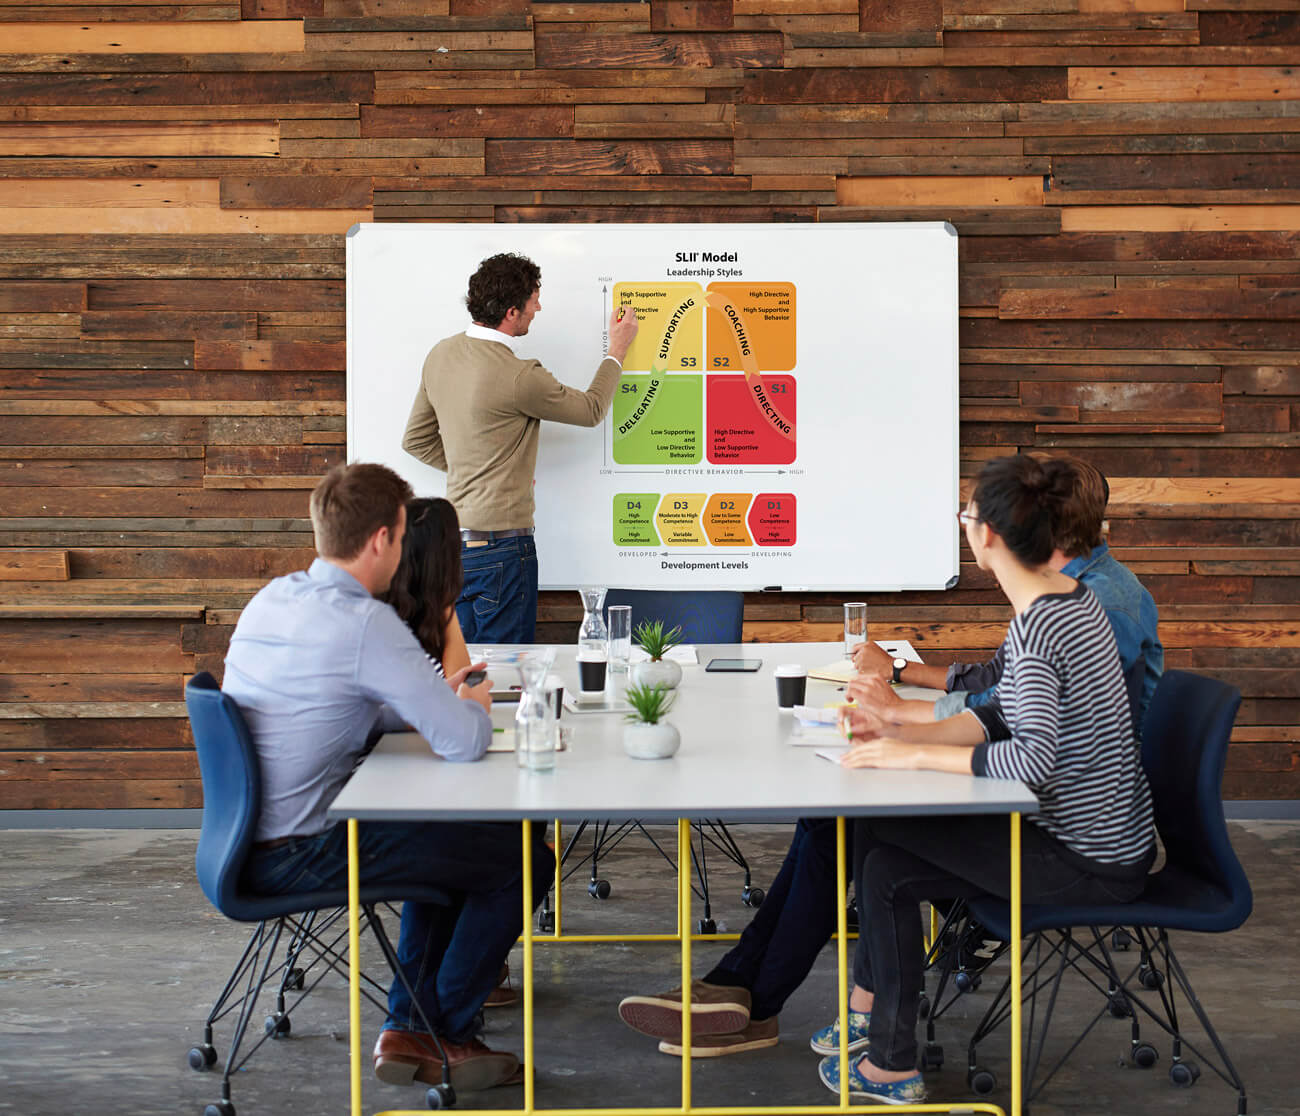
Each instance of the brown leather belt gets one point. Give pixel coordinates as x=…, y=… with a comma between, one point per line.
x=266, y=846
x=474, y=539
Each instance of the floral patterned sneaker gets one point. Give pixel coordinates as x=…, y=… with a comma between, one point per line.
x=911, y=1090
x=827, y=1040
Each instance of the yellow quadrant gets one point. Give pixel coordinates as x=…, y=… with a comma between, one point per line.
x=671, y=337
x=679, y=519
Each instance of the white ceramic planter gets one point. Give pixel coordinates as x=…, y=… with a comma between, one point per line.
x=664, y=672
x=642, y=741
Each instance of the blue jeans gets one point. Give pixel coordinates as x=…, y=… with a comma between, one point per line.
x=498, y=603
x=778, y=948
x=451, y=955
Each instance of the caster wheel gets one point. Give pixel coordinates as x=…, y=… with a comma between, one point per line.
x=295, y=981
x=598, y=889
x=440, y=1096
x=981, y=1081
x=708, y=926
x=203, y=1057
x=1144, y=1055
x=923, y=1008
x=1150, y=978
x=966, y=981
x=753, y=896
x=1121, y=940
x=1184, y=1074
x=546, y=922
x=277, y=1025
x=1118, y=1006
x=221, y=1108
x=931, y=1057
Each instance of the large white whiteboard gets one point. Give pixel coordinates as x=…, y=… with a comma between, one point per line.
x=844, y=403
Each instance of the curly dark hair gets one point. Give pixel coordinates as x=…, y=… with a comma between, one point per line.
x=1022, y=499
x=429, y=576
x=502, y=282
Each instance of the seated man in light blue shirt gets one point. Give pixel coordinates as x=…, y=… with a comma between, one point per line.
x=319, y=668
x=1081, y=553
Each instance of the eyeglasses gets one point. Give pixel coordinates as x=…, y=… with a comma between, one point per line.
x=965, y=518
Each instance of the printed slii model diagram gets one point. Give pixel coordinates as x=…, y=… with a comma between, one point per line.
x=708, y=381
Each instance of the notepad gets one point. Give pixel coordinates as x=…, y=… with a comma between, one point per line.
x=843, y=671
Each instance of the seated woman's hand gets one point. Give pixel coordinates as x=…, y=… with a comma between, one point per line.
x=858, y=723
x=875, y=694
x=456, y=679
x=880, y=752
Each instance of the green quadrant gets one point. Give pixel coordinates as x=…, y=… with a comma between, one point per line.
x=663, y=427
x=634, y=518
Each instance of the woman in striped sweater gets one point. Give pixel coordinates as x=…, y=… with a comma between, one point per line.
x=1061, y=724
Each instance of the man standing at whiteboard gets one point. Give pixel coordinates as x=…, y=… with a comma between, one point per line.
x=476, y=417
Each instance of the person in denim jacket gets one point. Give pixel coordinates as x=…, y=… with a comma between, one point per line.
x=1083, y=554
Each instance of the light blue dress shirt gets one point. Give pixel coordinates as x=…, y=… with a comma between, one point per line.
x=317, y=664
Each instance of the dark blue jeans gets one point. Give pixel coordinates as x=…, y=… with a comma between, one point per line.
x=451, y=955
x=904, y=861
x=780, y=945
x=498, y=603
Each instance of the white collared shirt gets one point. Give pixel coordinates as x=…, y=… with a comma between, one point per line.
x=486, y=333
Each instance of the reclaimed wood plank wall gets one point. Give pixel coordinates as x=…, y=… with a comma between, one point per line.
x=176, y=179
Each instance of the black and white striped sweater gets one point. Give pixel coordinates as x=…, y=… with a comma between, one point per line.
x=1061, y=724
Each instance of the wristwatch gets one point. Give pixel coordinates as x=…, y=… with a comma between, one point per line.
x=898, y=669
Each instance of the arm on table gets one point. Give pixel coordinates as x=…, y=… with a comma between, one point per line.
x=871, y=660
x=939, y=746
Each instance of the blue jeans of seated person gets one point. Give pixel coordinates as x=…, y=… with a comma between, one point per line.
x=451, y=955
x=903, y=861
x=780, y=945
x=498, y=603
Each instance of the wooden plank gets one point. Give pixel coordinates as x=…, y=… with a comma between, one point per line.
x=79, y=383
x=98, y=686
x=80, y=473
x=98, y=794
x=161, y=502
x=529, y=121
x=518, y=157
x=1262, y=380
x=114, y=222
x=189, y=562
x=20, y=297
x=33, y=565
x=96, y=764
x=188, y=193
x=966, y=191
x=1174, y=302
x=143, y=87
x=145, y=38
x=890, y=84
x=690, y=15
x=995, y=221
x=1163, y=218
x=190, y=113
x=667, y=214
x=1247, y=28
x=270, y=356
x=1200, y=335
x=748, y=49
x=1109, y=402
x=1239, y=170
x=269, y=460
x=900, y=15
x=126, y=12
x=305, y=192
x=149, y=324
x=84, y=646
x=207, y=294
x=1184, y=83
x=215, y=137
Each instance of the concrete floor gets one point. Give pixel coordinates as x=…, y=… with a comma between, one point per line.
x=110, y=958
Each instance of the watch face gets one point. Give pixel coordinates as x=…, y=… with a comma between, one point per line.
x=899, y=664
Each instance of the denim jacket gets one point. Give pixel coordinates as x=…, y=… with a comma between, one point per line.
x=1132, y=615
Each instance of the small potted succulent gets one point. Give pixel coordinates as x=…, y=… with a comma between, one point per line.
x=650, y=636
x=647, y=735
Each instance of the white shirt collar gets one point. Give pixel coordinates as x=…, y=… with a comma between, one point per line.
x=485, y=333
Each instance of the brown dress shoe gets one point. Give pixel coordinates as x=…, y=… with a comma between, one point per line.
x=502, y=995
x=403, y=1057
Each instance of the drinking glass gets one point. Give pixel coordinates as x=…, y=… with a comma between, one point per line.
x=620, y=637
x=855, y=626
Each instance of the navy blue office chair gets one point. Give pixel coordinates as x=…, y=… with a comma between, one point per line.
x=315, y=921
x=1201, y=887
x=704, y=616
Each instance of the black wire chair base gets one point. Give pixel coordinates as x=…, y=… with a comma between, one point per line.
x=317, y=946
x=1148, y=990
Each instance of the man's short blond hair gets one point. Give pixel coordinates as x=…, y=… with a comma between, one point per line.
x=351, y=503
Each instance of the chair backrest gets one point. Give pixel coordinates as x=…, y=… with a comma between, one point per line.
x=705, y=615
x=1184, y=748
x=232, y=790
x=1134, y=678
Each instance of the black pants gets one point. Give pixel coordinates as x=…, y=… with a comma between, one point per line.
x=902, y=862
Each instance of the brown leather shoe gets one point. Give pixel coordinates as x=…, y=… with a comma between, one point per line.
x=403, y=1057
x=503, y=995
x=758, y=1034
x=715, y=1010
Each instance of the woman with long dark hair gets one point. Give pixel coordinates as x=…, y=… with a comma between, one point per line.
x=1060, y=723
x=428, y=581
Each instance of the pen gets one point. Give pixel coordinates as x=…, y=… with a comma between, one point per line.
x=498, y=730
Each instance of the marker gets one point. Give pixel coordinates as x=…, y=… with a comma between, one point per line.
x=621, y=311
x=498, y=730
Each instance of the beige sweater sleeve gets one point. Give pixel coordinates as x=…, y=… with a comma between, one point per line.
x=540, y=395
x=423, y=437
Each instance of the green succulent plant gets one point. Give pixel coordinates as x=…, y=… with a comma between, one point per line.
x=649, y=703
x=653, y=640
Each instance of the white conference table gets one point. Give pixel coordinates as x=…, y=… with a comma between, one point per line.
x=739, y=760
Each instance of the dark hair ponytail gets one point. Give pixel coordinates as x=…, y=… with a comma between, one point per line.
x=429, y=576
x=1022, y=499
